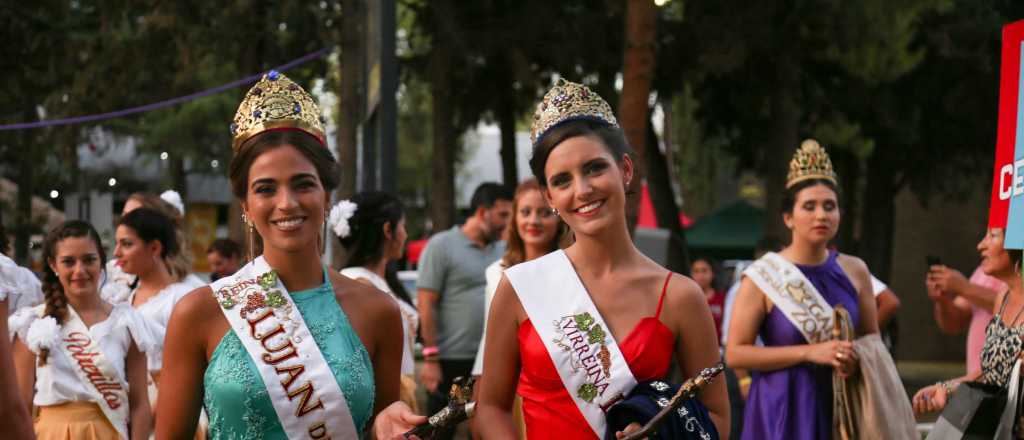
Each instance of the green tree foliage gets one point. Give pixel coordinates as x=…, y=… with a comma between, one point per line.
x=903, y=94
x=491, y=60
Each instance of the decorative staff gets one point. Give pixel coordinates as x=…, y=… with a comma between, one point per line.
x=460, y=408
x=687, y=391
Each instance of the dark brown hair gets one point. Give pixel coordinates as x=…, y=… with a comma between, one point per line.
x=611, y=136
x=789, y=196
x=515, y=252
x=53, y=291
x=150, y=225
x=226, y=247
x=365, y=241
x=179, y=264
x=322, y=159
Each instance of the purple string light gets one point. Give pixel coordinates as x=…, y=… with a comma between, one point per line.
x=162, y=104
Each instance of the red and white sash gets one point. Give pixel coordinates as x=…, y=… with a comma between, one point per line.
x=584, y=352
x=306, y=396
x=109, y=389
x=794, y=295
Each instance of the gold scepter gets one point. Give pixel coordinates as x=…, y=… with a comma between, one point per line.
x=687, y=391
x=460, y=408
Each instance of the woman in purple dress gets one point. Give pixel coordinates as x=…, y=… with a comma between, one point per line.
x=787, y=299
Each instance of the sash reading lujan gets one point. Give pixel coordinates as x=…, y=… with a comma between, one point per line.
x=302, y=388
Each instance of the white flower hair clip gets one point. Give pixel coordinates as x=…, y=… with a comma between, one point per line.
x=171, y=196
x=340, y=214
x=43, y=333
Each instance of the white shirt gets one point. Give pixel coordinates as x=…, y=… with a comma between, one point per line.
x=157, y=310
x=410, y=316
x=877, y=286
x=493, y=276
x=20, y=284
x=116, y=286
x=730, y=300
x=57, y=382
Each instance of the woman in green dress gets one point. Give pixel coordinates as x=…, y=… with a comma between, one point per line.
x=241, y=347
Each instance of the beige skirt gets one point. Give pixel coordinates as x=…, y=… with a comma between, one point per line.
x=74, y=421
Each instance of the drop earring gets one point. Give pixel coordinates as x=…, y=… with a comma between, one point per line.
x=323, y=235
x=250, y=237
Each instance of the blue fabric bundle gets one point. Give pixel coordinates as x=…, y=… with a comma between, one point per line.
x=691, y=421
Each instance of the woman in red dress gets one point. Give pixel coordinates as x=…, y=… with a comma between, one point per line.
x=703, y=272
x=582, y=161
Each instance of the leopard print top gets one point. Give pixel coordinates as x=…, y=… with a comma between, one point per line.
x=1002, y=346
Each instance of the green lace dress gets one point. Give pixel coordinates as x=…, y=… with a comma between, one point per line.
x=236, y=399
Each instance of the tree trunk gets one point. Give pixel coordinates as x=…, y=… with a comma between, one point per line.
x=848, y=167
x=179, y=178
x=352, y=18
x=442, y=189
x=877, y=232
x=26, y=186
x=780, y=146
x=507, y=122
x=663, y=198
x=637, y=73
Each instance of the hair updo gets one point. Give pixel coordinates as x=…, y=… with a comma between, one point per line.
x=326, y=166
x=150, y=225
x=611, y=136
x=180, y=265
x=365, y=241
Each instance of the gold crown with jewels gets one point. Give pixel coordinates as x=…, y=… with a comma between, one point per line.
x=810, y=162
x=275, y=103
x=569, y=101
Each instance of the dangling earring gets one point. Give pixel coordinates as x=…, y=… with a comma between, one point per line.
x=322, y=239
x=250, y=237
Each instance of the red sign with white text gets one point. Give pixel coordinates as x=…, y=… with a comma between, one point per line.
x=1008, y=175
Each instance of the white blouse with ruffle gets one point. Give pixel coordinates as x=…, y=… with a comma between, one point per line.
x=157, y=310
x=57, y=382
x=19, y=284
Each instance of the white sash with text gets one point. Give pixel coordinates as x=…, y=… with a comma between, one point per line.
x=588, y=361
x=95, y=371
x=306, y=396
x=794, y=295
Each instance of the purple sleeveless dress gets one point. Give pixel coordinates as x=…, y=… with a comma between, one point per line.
x=796, y=402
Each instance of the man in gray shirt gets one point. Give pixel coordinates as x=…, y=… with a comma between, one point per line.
x=451, y=290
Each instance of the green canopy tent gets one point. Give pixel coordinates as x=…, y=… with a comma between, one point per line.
x=731, y=232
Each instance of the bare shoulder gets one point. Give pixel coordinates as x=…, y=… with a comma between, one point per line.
x=854, y=267
x=506, y=298
x=197, y=307
x=852, y=262
x=683, y=292
x=361, y=298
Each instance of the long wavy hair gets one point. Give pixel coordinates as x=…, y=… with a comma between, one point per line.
x=53, y=291
x=515, y=251
x=365, y=241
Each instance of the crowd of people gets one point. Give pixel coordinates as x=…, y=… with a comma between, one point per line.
x=540, y=294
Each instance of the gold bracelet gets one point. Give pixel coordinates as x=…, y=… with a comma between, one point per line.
x=745, y=382
x=946, y=386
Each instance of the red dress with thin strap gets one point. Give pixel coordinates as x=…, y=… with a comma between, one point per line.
x=548, y=409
